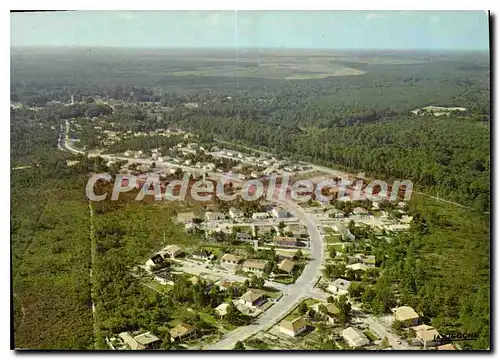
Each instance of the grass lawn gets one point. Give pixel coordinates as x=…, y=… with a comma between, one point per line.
x=284, y=279
x=270, y=292
x=333, y=238
x=295, y=312
x=337, y=247
x=328, y=230
x=160, y=287
x=371, y=335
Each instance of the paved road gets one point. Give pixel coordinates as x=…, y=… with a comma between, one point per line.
x=302, y=288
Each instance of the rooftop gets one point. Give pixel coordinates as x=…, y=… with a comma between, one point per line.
x=181, y=330
x=355, y=336
x=146, y=338
x=286, y=265
x=230, y=257
x=293, y=325
x=251, y=296
x=255, y=264
x=404, y=313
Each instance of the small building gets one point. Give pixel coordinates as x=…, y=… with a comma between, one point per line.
x=230, y=259
x=336, y=213
x=157, y=259
x=279, y=214
x=253, y=298
x=165, y=278
x=355, y=337
x=330, y=311
x=427, y=335
x=358, y=266
x=287, y=266
x=202, y=254
x=225, y=285
x=255, y=266
x=185, y=218
x=368, y=260
x=171, y=251
x=243, y=236
x=339, y=286
x=359, y=211
x=211, y=216
x=182, y=332
x=406, y=315
x=236, y=214
x=221, y=310
x=260, y=215
x=294, y=327
x=140, y=342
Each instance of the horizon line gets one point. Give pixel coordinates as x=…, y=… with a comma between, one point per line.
x=241, y=48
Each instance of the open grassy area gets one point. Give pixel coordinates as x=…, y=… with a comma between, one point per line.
x=337, y=247
x=284, y=279
x=328, y=230
x=295, y=312
x=292, y=69
x=160, y=287
x=333, y=238
x=371, y=335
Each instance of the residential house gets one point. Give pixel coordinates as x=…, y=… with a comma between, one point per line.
x=339, y=286
x=330, y=311
x=182, y=332
x=221, y=310
x=253, y=298
x=359, y=266
x=397, y=227
x=243, y=236
x=351, y=259
x=336, y=213
x=375, y=205
x=171, y=251
x=427, y=335
x=368, y=260
x=406, y=315
x=154, y=260
x=230, y=259
x=260, y=215
x=287, y=266
x=293, y=327
x=140, y=342
x=255, y=266
x=279, y=214
x=211, y=216
x=165, y=278
x=202, y=254
x=226, y=285
x=449, y=346
x=236, y=214
x=185, y=218
x=359, y=211
x=355, y=337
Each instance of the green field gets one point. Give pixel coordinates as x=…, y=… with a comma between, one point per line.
x=291, y=69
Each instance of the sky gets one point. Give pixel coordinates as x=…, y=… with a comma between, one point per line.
x=409, y=30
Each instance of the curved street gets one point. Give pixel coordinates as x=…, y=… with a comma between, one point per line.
x=302, y=288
